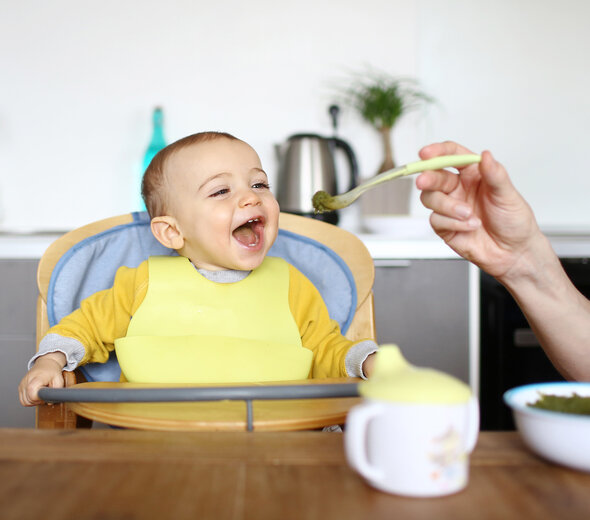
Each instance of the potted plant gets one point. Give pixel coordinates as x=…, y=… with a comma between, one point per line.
x=382, y=100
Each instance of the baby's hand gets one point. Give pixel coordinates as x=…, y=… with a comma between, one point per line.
x=47, y=371
x=368, y=365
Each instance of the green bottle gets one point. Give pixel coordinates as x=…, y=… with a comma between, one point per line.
x=156, y=144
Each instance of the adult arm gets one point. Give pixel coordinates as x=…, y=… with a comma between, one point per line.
x=482, y=217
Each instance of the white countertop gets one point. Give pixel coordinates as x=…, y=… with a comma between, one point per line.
x=380, y=246
x=25, y=245
x=391, y=238
x=383, y=247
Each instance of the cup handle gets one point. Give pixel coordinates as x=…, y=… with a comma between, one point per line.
x=472, y=424
x=355, y=441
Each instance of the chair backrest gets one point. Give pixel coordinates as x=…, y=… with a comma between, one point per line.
x=85, y=260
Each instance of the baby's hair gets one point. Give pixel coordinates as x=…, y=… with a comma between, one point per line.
x=153, y=188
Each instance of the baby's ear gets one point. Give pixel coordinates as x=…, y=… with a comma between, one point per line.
x=167, y=232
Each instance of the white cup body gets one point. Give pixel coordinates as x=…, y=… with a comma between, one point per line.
x=412, y=449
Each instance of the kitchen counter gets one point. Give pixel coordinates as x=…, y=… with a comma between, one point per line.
x=381, y=247
x=384, y=247
x=391, y=238
x=387, y=238
x=26, y=245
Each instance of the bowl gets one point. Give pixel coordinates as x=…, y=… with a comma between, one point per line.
x=563, y=438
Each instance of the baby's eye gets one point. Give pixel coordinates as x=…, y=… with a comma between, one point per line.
x=217, y=193
x=261, y=185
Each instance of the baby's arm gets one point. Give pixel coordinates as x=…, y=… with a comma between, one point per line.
x=46, y=371
x=360, y=358
x=334, y=355
x=86, y=335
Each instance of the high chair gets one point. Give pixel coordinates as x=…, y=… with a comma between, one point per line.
x=85, y=260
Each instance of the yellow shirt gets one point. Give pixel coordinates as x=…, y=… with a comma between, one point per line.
x=105, y=316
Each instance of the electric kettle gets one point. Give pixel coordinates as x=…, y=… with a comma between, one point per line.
x=307, y=163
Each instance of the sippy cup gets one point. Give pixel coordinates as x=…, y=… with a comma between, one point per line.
x=414, y=430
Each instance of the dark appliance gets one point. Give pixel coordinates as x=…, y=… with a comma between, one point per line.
x=510, y=354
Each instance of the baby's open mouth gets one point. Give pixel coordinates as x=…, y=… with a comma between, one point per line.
x=250, y=233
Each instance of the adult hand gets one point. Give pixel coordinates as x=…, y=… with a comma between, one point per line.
x=482, y=217
x=478, y=212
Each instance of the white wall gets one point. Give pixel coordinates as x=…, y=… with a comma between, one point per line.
x=513, y=76
x=79, y=81
x=75, y=113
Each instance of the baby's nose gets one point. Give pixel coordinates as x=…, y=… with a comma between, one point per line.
x=250, y=198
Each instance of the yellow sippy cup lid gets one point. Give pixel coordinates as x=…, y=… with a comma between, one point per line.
x=396, y=380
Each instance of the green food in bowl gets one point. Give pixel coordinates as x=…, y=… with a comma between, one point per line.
x=574, y=404
x=563, y=438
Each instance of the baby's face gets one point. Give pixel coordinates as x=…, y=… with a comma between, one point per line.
x=219, y=196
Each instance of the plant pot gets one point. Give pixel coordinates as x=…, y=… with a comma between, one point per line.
x=389, y=198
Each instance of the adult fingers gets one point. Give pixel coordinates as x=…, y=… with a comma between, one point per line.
x=437, y=180
x=444, y=225
x=451, y=209
x=444, y=148
x=495, y=176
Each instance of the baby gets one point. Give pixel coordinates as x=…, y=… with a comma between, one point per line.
x=209, y=199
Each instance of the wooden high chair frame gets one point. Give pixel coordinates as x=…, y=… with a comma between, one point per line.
x=349, y=247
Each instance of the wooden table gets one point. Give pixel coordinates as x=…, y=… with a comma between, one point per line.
x=128, y=474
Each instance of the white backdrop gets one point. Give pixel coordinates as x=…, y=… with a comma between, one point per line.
x=513, y=77
x=80, y=79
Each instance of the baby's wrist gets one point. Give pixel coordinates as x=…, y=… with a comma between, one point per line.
x=57, y=359
x=368, y=365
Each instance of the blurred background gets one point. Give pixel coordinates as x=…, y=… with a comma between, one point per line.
x=80, y=81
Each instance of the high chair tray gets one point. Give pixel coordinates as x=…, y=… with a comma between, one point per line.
x=149, y=393
x=274, y=406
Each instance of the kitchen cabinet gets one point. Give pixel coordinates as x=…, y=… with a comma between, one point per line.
x=17, y=336
x=422, y=305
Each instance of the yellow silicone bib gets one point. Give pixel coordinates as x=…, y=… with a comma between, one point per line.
x=191, y=330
